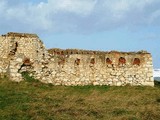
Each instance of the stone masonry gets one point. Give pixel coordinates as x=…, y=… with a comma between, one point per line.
x=21, y=52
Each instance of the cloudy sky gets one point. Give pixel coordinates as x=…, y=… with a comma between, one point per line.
x=123, y=25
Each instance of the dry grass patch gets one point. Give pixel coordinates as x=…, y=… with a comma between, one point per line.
x=36, y=101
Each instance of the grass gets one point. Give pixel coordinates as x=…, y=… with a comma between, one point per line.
x=32, y=100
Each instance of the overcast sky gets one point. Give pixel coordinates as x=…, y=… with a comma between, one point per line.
x=123, y=25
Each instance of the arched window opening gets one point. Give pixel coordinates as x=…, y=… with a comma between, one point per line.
x=58, y=53
x=26, y=62
x=62, y=53
x=122, y=60
x=108, y=61
x=77, y=61
x=92, y=61
x=136, y=61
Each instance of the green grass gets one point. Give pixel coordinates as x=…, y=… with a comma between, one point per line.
x=32, y=100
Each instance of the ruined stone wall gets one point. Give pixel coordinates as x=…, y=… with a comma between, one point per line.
x=21, y=43
x=17, y=49
x=25, y=52
x=79, y=67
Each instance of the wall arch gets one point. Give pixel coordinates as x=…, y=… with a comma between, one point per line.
x=108, y=61
x=136, y=61
x=122, y=61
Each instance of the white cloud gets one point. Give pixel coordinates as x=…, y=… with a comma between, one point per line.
x=78, y=15
x=82, y=7
x=156, y=73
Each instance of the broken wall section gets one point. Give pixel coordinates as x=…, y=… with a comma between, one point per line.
x=25, y=52
x=18, y=50
x=81, y=67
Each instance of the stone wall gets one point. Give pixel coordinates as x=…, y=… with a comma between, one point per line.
x=16, y=49
x=79, y=67
x=21, y=43
x=71, y=66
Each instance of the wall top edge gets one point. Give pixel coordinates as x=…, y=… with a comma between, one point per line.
x=16, y=34
x=79, y=51
x=72, y=51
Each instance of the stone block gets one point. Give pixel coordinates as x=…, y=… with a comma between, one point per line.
x=119, y=84
x=19, y=60
x=149, y=74
x=148, y=84
x=95, y=83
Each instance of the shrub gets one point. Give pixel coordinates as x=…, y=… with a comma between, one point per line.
x=28, y=78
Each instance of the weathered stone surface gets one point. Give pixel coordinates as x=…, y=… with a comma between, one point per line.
x=20, y=52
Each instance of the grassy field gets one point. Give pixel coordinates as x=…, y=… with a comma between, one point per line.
x=32, y=100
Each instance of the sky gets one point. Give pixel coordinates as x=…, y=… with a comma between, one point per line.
x=122, y=25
